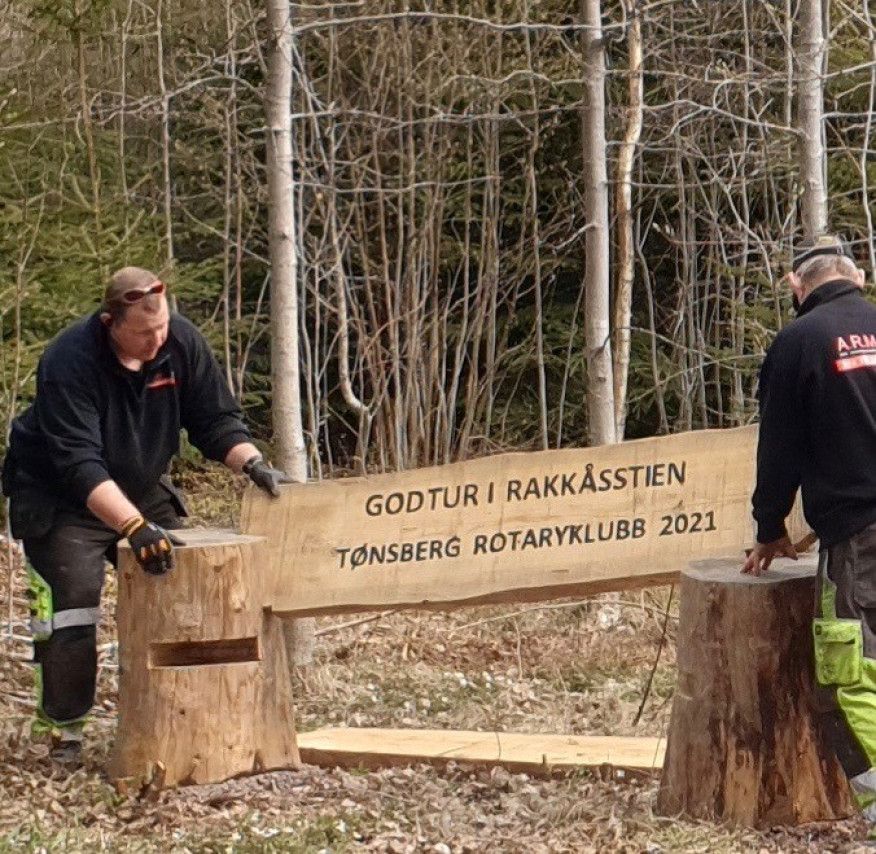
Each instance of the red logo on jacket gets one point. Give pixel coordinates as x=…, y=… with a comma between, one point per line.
x=162, y=382
x=855, y=352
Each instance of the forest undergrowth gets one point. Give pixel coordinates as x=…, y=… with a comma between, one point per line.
x=600, y=666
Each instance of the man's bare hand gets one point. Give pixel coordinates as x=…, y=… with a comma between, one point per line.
x=761, y=556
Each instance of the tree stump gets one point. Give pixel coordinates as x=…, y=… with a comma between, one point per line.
x=204, y=691
x=744, y=740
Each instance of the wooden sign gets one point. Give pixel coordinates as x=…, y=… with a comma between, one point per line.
x=512, y=527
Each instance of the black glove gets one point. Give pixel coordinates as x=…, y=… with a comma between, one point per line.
x=152, y=545
x=265, y=477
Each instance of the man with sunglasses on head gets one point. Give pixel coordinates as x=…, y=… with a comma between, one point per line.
x=87, y=466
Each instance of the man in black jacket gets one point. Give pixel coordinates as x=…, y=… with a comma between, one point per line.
x=87, y=465
x=818, y=431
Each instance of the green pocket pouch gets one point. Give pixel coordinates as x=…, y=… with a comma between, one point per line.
x=839, y=651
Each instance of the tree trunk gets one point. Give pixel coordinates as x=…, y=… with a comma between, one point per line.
x=811, y=55
x=744, y=740
x=203, y=687
x=600, y=394
x=864, y=156
x=626, y=251
x=93, y=164
x=286, y=402
x=166, y=147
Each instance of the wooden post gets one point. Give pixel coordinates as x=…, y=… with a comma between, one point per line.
x=744, y=740
x=203, y=688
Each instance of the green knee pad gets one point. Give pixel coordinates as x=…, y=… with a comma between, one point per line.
x=840, y=664
x=42, y=616
x=41, y=605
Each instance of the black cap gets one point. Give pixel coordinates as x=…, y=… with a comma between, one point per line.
x=825, y=244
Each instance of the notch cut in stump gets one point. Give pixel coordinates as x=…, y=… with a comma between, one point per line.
x=204, y=691
x=745, y=744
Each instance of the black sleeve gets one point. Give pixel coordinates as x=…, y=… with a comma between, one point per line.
x=209, y=411
x=780, y=446
x=68, y=413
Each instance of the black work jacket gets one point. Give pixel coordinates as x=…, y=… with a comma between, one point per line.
x=817, y=399
x=94, y=420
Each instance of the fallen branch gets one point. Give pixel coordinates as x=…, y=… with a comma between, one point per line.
x=556, y=606
x=353, y=623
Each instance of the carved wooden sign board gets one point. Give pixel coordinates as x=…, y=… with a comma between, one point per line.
x=203, y=694
x=512, y=527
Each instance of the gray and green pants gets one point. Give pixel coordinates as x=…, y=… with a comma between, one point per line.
x=66, y=566
x=845, y=658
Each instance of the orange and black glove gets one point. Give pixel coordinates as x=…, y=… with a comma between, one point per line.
x=151, y=544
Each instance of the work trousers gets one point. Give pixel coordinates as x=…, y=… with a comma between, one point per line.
x=70, y=562
x=845, y=658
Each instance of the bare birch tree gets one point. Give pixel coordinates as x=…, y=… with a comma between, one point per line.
x=286, y=402
x=811, y=57
x=626, y=253
x=600, y=386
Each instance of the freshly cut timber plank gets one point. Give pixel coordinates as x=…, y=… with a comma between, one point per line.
x=509, y=528
x=204, y=693
x=745, y=743
x=534, y=754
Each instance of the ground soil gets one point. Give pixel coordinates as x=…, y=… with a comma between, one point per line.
x=596, y=666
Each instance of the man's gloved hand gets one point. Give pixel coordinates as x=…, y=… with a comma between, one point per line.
x=265, y=477
x=152, y=545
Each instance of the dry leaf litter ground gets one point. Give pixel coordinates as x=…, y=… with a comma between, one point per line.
x=577, y=667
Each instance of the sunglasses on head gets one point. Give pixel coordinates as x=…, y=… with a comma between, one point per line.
x=136, y=294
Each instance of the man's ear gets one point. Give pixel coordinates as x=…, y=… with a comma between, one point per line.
x=796, y=286
x=861, y=278
x=106, y=318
